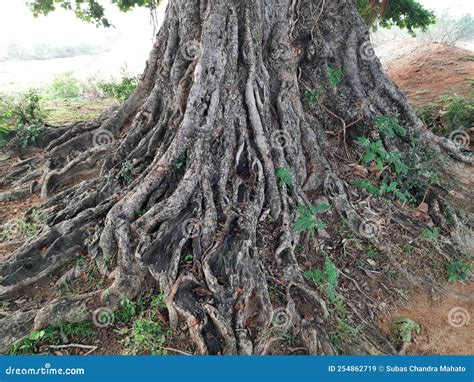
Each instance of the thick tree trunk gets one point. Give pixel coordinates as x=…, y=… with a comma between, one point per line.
x=222, y=104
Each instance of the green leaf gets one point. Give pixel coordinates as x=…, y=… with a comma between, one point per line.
x=284, y=176
x=369, y=156
x=36, y=335
x=335, y=77
x=392, y=187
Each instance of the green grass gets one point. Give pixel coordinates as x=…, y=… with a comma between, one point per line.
x=66, y=111
x=140, y=325
x=22, y=229
x=448, y=113
x=52, y=335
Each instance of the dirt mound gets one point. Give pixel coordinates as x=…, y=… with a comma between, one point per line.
x=444, y=321
x=432, y=70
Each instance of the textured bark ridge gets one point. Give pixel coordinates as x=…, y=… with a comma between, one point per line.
x=222, y=104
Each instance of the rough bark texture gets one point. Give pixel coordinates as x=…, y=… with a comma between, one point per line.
x=221, y=105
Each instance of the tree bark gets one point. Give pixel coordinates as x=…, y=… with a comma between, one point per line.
x=222, y=104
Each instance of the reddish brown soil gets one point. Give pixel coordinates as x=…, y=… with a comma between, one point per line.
x=428, y=72
x=433, y=70
x=438, y=335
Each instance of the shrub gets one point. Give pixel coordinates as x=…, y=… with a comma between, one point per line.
x=24, y=116
x=458, y=270
x=120, y=90
x=66, y=86
x=448, y=113
x=449, y=30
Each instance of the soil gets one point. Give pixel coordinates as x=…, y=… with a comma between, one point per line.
x=433, y=70
x=438, y=334
x=424, y=74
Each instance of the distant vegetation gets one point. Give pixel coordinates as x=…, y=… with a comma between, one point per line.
x=15, y=51
x=66, y=100
x=449, y=30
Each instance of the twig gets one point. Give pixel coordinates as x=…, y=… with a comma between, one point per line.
x=175, y=350
x=90, y=347
x=358, y=287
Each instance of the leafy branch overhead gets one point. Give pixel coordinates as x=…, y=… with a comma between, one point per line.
x=406, y=14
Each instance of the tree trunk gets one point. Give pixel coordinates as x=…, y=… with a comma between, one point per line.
x=188, y=166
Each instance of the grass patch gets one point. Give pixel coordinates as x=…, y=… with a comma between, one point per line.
x=38, y=341
x=67, y=111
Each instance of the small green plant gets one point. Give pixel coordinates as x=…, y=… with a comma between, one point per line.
x=335, y=77
x=307, y=218
x=146, y=337
x=65, y=86
x=375, y=152
x=141, y=326
x=312, y=97
x=389, y=126
x=373, y=254
x=28, y=135
x=23, y=115
x=6, y=116
x=432, y=234
x=327, y=278
x=21, y=229
x=458, y=271
x=126, y=172
x=284, y=175
x=120, y=90
x=376, y=155
x=126, y=311
x=158, y=301
x=52, y=335
x=385, y=187
x=401, y=330
x=448, y=113
x=344, y=334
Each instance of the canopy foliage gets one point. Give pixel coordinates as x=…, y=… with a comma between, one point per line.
x=406, y=14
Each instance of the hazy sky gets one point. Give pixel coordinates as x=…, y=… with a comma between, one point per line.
x=61, y=27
